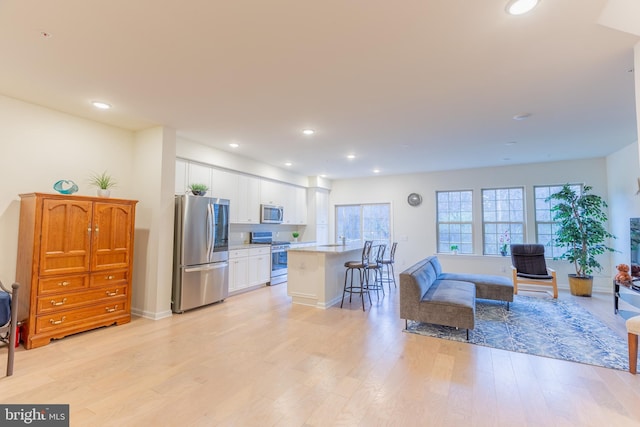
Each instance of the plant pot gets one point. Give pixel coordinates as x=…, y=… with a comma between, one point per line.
x=104, y=192
x=198, y=193
x=580, y=286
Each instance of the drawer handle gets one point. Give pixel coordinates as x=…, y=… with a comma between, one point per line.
x=57, y=322
x=111, y=310
x=112, y=294
x=64, y=283
x=110, y=277
x=53, y=302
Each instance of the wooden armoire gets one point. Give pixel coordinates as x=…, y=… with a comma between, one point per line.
x=75, y=257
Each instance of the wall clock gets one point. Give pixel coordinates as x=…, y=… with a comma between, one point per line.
x=414, y=199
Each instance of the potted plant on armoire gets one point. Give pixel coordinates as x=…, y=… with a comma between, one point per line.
x=580, y=219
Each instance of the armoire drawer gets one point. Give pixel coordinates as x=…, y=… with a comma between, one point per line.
x=109, y=278
x=63, y=284
x=69, y=318
x=54, y=303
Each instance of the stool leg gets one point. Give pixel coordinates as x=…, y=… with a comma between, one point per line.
x=393, y=276
x=344, y=290
x=633, y=352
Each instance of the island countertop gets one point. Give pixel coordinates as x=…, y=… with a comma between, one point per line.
x=329, y=249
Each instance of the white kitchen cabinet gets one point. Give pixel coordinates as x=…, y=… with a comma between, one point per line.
x=295, y=205
x=199, y=174
x=181, y=176
x=249, y=267
x=259, y=265
x=238, y=269
x=247, y=201
x=300, y=201
x=223, y=184
x=322, y=206
x=322, y=234
x=272, y=193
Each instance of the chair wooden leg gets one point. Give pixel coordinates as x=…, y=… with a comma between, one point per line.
x=633, y=352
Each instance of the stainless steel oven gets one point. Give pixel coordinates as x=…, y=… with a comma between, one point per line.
x=279, y=262
x=278, y=255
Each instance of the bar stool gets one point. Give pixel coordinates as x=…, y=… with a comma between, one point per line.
x=633, y=330
x=375, y=265
x=390, y=274
x=361, y=266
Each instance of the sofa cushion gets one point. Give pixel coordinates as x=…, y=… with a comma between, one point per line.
x=436, y=265
x=421, y=275
x=450, y=303
x=488, y=286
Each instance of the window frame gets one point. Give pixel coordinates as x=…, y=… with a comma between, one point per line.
x=362, y=221
x=506, y=231
x=465, y=245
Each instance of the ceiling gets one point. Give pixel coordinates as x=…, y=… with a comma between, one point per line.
x=406, y=86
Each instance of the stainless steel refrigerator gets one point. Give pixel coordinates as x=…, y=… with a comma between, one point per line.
x=201, y=252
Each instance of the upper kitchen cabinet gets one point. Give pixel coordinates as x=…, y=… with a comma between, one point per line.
x=322, y=206
x=300, y=200
x=295, y=205
x=247, y=201
x=199, y=174
x=273, y=193
x=181, y=176
x=223, y=185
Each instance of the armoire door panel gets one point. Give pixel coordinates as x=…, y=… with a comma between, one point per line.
x=112, y=236
x=66, y=237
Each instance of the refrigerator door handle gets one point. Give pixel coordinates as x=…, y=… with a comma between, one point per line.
x=206, y=267
x=208, y=231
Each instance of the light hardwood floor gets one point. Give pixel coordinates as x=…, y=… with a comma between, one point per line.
x=256, y=359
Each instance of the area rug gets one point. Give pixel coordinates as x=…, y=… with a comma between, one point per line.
x=542, y=327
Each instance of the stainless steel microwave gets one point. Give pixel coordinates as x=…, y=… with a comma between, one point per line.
x=271, y=214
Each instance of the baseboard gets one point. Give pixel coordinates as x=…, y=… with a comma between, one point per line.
x=151, y=315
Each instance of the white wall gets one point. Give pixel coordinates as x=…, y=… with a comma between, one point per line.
x=415, y=227
x=38, y=147
x=624, y=203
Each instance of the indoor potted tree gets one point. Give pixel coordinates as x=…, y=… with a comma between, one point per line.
x=104, y=182
x=580, y=219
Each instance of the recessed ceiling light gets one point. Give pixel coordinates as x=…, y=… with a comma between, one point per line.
x=323, y=175
x=520, y=7
x=510, y=143
x=308, y=131
x=522, y=116
x=101, y=105
x=376, y=171
x=288, y=164
x=234, y=145
x=351, y=156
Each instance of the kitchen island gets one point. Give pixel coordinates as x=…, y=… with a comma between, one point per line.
x=316, y=273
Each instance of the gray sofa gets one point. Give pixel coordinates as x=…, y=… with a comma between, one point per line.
x=431, y=296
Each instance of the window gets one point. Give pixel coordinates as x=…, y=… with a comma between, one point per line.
x=455, y=220
x=502, y=219
x=545, y=227
x=364, y=222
